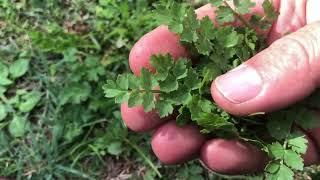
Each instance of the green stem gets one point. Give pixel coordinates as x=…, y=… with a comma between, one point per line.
x=144, y=157
x=239, y=16
x=144, y=91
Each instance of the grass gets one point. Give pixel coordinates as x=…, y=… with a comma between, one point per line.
x=54, y=121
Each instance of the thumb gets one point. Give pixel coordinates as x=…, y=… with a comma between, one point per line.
x=282, y=74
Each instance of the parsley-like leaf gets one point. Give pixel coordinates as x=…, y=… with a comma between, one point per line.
x=298, y=144
x=276, y=150
x=269, y=9
x=243, y=6
x=293, y=160
x=224, y=15
x=111, y=89
x=148, y=101
x=164, y=108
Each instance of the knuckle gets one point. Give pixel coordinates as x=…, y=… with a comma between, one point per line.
x=296, y=55
x=284, y=57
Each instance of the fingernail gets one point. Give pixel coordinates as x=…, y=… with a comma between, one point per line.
x=240, y=85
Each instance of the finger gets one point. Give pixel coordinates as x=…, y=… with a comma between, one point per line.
x=173, y=144
x=314, y=134
x=291, y=18
x=138, y=120
x=312, y=155
x=233, y=157
x=280, y=75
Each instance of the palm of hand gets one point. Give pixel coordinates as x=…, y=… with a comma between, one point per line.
x=173, y=144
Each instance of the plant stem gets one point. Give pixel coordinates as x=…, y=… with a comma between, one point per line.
x=134, y=146
x=239, y=16
x=153, y=91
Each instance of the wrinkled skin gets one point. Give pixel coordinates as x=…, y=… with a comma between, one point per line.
x=284, y=73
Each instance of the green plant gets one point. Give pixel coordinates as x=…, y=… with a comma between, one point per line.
x=184, y=88
x=54, y=56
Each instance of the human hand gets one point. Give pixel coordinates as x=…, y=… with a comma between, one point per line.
x=284, y=73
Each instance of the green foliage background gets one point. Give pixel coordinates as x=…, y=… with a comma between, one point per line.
x=55, y=123
x=54, y=120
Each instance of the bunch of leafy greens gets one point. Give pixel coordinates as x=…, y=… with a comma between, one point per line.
x=180, y=87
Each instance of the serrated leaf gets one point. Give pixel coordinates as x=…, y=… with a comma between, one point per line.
x=123, y=82
x=293, y=160
x=210, y=121
x=171, y=14
x=276, y=150
x=18, y=126
x=224, y=15
x=180, y=69
x=228, y=37
x=285, y=173
x=75, y=93
x=269, y=9
x=205, y=118
x=243, y=6
x=71, y=131
x=134, y=82
x=279, y=125
x=19, y=68
x=190, y=24
x=146, y=79
x=206, y=105
x=162, y=64
x=216, y=3
x=111, y=89
x=30, y=100
x=272, y=168
x=184, y=116
x=207, y=28
x=180, y=96
x=209, y=73
x=192, y=80
x=176, y=27
x=70, y=55
x=148, y=101
x=169, y=84
x=115, y=148
x=164, y=108
x=195, y=169
x=135, y=99
x=298, y=144
x=122, y=97
x=204, y=46
x=3, y=111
